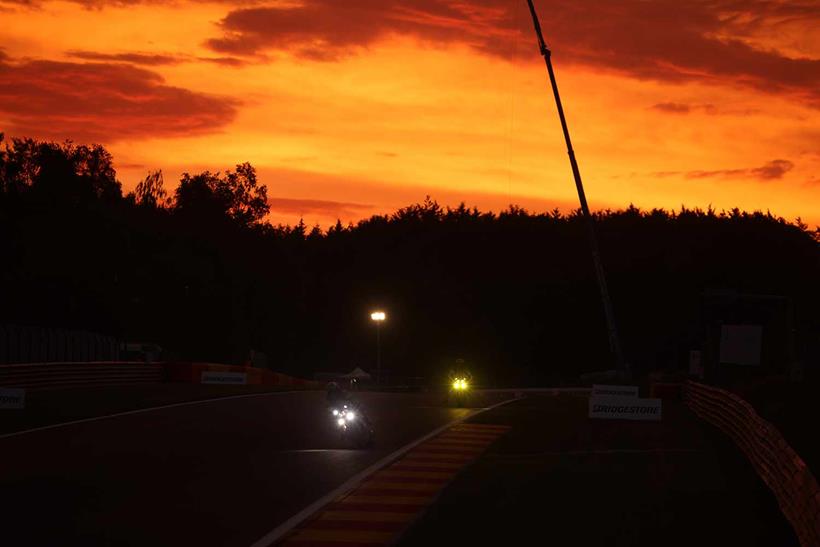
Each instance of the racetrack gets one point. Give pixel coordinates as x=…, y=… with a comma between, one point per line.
x=226, y=472
x=221, y=473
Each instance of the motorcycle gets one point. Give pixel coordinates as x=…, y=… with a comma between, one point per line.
x=459, y=390
x=353, y=426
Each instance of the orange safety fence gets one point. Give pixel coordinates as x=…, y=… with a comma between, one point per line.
x=780, y=467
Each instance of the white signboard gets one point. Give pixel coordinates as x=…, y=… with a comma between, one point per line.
x=234, y=378
x=625, y=408
x=740, y=344
x=599, y=390
x=12, y=397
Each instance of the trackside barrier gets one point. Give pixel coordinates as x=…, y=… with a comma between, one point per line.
x=192, y=373
x=103, y=373
x=115, y=373
x=550, y=390
x=783, y=471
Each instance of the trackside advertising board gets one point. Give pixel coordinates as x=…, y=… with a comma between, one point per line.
x=233, y=378
x=12, y=397
x=599, y=390
x=625, y=408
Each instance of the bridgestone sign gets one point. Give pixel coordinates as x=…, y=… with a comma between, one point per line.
x=12, y=397
x=233, y=378
x=625, y=408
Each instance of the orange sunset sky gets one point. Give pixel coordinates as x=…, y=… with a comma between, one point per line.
x=353, y=107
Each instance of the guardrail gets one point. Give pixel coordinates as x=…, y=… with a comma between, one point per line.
x=192, y=373
x=551, y=390
x=110, y=373
x=102, y=373
x=780, y=467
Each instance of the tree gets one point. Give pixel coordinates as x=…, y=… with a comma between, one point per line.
x=247, y=200
x=235, y=195
x=150, y=192
x=65, y=173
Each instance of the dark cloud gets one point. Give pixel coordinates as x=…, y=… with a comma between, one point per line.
x=328, y=30
x=706, y=108
x=775, y=169
x=685, y=108
x=664, y=40
x=150, y=59
x=131, y=166
x=103, y=102
x=772, y=170
x=224, y=61
x=673, y=108
x=717, y=173
x=336, y=209
x=100, y=4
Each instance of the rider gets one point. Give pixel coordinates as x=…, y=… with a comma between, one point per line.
x=459, y=372
x=336, y=396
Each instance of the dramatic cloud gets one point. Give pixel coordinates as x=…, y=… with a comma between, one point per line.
x=149, y=59
x=224, y=61
x=153, y=59
x=673, y=108
x=323, y=208
x=103, y=102
x=772, y=170
x=327, y=30
x=705, y=108
x=664, y=40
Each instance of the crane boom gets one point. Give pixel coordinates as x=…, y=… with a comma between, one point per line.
x=614, y=342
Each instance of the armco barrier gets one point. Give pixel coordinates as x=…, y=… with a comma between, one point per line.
x=192, y=373
x=109, y=373
x=104, y=373
x=783, y=471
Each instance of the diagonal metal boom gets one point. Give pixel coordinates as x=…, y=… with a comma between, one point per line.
x=614, y=341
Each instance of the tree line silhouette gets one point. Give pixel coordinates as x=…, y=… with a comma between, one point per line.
x=202, y=272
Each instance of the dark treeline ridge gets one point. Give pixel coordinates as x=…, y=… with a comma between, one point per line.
x=202, y=273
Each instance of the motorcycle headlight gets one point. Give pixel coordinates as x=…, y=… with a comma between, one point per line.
x=350, y=416
x=341, y=421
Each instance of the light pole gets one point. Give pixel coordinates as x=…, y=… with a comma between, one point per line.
x=378, y=317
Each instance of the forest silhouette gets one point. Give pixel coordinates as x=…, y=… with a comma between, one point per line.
x=201, y=272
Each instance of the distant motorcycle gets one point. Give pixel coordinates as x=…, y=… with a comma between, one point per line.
x=459, y=390
x=353, y=426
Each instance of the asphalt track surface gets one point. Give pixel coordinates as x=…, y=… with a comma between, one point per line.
x=227, y=472
x=222, y=473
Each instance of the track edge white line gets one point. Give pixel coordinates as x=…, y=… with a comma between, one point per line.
x=287, y=526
